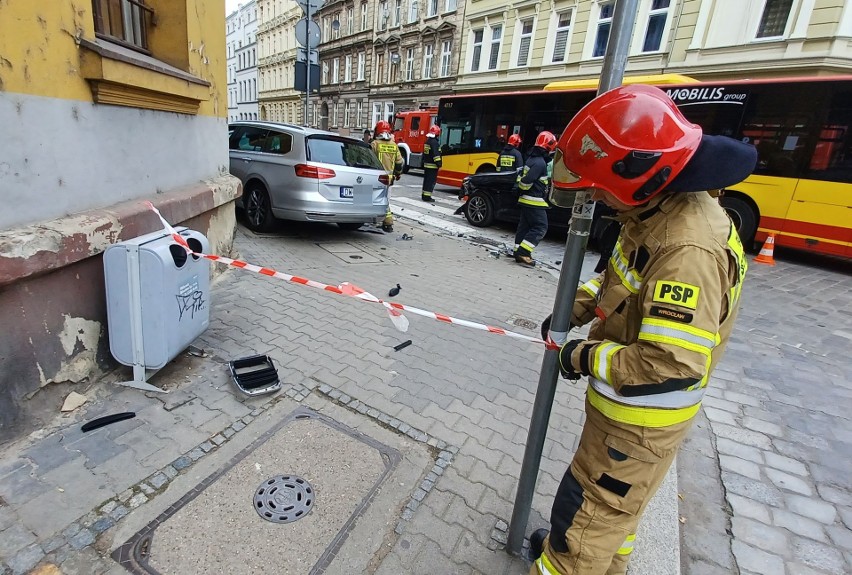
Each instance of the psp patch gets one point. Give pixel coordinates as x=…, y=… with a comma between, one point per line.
x=677, y=293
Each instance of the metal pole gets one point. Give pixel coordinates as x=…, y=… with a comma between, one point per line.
x=308, y=77
x=612, y=73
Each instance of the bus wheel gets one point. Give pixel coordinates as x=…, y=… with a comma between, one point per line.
x=485, y=168
x=479, y=210
x=744, y=218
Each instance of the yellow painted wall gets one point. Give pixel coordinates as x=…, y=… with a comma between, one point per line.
x=39, y=54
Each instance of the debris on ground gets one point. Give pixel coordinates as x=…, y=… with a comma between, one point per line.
x=405, y=237
x=73, y=401
x=403, y=345
x=107, y=420
x=394, y=291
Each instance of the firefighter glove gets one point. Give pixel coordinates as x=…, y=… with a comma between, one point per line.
x=565, y=365
x=545, y=327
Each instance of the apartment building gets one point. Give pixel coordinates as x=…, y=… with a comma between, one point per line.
x=241, y=46
x=530, y=43
x=277, y=53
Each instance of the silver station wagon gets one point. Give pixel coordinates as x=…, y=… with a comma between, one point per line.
x=294, y=173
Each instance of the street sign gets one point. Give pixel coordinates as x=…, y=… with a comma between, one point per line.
x=308, y=33
x=300, y=78
x=301, y=56
x=309, y=6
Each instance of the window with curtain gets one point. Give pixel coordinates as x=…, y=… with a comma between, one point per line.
x=362, y=57
x=656, y=25
x=350, y=20
x=412, y=12
x=433, y=8
x=496, y=37
x=364, y=18
x=409, y=64
x=773, y=22
x=477, y=50
x=347, y=71
x=449, y=5
x=446, y=57
x=428, y=55
x=526, y=42
x=563, y=29
x=604, y=25
x=335, y=71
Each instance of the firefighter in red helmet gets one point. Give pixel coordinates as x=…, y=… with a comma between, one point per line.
x=388, y=153
x=510, y=158
x=534, y=184
x=661, y=314
x=431, y=163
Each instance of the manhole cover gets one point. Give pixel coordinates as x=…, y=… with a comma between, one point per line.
x=283, y=499
x=523, y=322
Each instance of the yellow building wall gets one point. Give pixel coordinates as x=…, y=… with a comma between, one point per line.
x=40, y=55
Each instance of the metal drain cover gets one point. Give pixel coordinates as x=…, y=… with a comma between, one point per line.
x=284, y=499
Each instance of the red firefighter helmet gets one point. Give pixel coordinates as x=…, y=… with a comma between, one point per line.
x=515, y=140
x=435, y=130
x=382, y=127
x=627, y=142
x=546, y=140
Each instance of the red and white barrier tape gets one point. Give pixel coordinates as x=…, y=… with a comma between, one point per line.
x=394, y=309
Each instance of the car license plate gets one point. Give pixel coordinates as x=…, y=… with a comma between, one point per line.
x=346, y=192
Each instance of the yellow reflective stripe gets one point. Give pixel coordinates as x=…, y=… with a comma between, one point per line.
x=592, y=287
x=641, y=416
x=545, y=567
x=602, y=364
x=527, y=246
x=736, y=246
x=627, y=547
x=628, y=277
x=532, y=201
x=690, y=337
x=524, y=186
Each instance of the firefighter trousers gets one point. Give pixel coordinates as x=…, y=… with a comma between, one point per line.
x=532, y=227
x=617, y=469
x=430, y=178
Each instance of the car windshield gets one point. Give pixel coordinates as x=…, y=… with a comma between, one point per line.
x=342, y=152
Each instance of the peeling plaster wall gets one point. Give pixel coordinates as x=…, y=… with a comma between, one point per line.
x=63, y=156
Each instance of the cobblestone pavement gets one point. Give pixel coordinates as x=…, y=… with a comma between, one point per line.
x=764, y=477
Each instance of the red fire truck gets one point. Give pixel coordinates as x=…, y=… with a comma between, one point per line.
x=409, y=130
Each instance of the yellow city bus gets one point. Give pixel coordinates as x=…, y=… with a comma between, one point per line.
x=801, y=189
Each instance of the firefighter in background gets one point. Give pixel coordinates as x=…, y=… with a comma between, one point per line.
x=431, y=163
x=387, y=151
x=534, y=183
x=510, y=158
x=661, y=314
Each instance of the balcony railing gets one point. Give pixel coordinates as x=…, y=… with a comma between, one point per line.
x=123, y=21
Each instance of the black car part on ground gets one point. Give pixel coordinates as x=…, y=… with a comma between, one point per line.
x=255, y=375
x=107, y=420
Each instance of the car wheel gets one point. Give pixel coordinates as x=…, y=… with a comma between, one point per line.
x=350, y=226
x=479, y=210
x=744, y=218
x=258, y=209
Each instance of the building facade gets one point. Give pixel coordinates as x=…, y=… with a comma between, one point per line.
x=139, y=114
x=277, y=53
x=241, y=44
x=529, y=44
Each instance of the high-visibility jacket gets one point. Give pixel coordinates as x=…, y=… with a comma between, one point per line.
x=389, y=156
x=662, y=311
x=431, y=153
x=534, y=181
x=510, y=159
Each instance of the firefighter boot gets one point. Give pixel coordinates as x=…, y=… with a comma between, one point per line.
x=387, y=224
x=525, y=260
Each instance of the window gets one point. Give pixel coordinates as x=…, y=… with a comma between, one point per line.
x=361, y=60
x=496, y=36
x=446, y=57
x=334, y=114
x=389, y=111
x=364, y=19
x=397, y=13
x=359, y=117
x=563, y=28
x=409, y=64
x=377, y=113
x=350, y=20
x=477, y=50
x=341, y=152
x=347, y=70
x=335, y=71
x=335, y=32
x=428, y=54
x=278, y=143
x=247, y=138
x=394, y=68
x=412, y=12
x=383, y=15
x=347, y=110
x=432, y=9
x=604, y=24
x=773, y=22
x=656, y=25
x=380, y=68
x=125, y=21
x=326, y=29
x=526, y=42
x=449, y=5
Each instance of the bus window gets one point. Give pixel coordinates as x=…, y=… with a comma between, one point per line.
x=832, y=156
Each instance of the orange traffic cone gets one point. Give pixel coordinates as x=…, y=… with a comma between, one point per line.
x=766, y=252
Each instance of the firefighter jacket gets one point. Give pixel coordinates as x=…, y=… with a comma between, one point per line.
x=431, y=153
x=389, y=156
x=534, y=181
x=510, y=159
x=663, y=311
